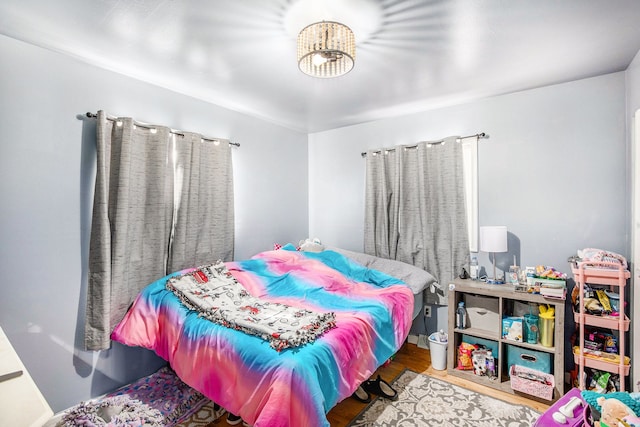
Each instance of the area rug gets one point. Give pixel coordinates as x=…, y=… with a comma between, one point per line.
x=425, y=401
x=206, y=416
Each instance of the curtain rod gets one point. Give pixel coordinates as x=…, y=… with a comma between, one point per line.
x=175, y=132
x=477, y=135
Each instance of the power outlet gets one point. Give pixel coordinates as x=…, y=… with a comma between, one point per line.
x=427, y=311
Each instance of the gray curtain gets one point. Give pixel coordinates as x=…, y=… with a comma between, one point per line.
x=143, y=221
x=415, y=209
x=204, y=215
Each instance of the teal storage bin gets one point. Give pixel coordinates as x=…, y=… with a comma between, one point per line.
x=491, y=345
x=533, y=359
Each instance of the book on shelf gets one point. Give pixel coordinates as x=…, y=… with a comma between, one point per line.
x=552, y=288
x=560, y=293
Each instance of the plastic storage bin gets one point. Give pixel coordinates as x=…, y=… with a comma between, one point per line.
x=576, y=418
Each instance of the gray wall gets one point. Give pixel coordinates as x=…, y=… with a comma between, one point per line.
x=554, y=171
x=47, y=167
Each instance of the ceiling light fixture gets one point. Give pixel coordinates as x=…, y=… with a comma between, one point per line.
x=326, y=49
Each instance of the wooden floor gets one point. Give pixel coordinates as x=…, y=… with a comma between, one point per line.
x=419, y=360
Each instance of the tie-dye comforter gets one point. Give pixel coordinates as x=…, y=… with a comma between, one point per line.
x=243, y=373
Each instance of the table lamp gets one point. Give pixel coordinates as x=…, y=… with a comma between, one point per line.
x=493, y=239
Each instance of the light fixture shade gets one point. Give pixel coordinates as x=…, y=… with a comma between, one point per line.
x=326, y=49
x=493, y=238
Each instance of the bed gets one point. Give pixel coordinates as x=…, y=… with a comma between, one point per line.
x=267, y=384
x=417, y=279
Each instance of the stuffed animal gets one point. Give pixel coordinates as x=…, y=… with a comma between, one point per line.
x=630, y=421
x=611, y=412
x=632, y=400
x=310, y=245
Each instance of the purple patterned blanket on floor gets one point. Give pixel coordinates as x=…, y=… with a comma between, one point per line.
x=164, y=391
x=158, y=400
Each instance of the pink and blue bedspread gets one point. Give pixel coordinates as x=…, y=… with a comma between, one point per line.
x=243, y=373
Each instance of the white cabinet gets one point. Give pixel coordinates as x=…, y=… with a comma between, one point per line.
x=21, y=403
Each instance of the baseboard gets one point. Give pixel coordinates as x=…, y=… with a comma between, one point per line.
x=413, y=339
x=56, y=419
x=423, y=341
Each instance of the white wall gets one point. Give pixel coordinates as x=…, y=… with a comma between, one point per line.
x=550, y=150
x=633, y=109
x=632, y=75
x=47, y=167
x=553, y=171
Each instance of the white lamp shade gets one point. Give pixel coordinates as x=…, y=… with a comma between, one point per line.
x=493, y=238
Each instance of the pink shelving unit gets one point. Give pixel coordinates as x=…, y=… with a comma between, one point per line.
x=614, y=276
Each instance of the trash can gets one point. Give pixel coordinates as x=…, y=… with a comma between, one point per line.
x=438, y=349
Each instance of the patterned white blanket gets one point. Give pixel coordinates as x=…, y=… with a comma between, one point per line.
x=216, y=295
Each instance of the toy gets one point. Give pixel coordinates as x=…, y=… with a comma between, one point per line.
x=567, y=411
x=630, y=421
x=310, y=245
x=612, y=411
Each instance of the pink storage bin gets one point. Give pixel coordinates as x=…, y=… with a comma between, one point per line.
x=531, y=381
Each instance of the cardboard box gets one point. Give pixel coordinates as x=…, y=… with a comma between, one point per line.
x=482, y=312
x=512, y=328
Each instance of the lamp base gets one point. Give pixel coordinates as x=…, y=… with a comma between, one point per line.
x=495, y=281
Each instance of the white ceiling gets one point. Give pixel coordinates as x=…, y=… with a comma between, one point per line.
x=412, y=55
